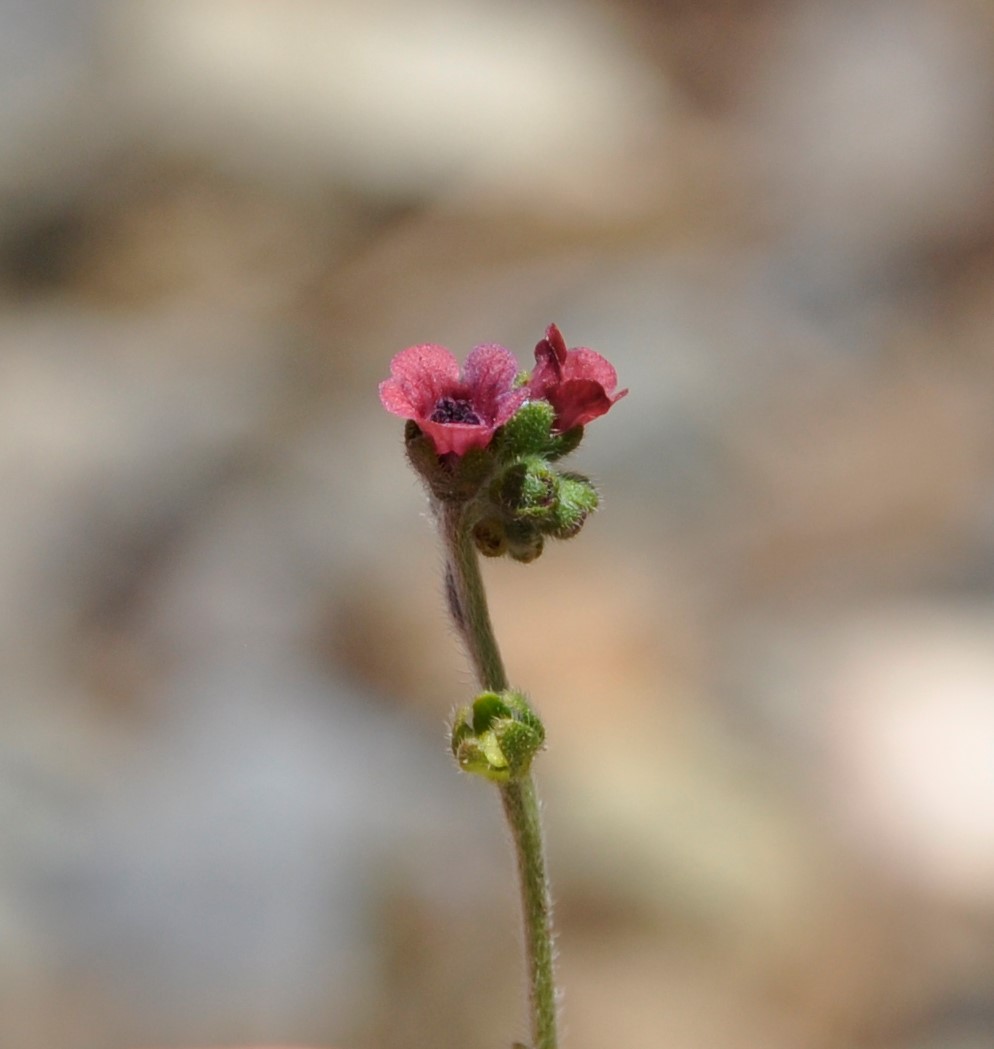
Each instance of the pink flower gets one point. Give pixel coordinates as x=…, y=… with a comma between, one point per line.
x=580, y=384
x=458, y=412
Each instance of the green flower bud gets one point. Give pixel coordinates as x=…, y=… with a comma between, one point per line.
x=561, y=444
x=527, y=490
x=527, y=432
x=497, y=737
x=577, y=500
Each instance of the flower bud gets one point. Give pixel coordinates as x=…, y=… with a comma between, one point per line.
x=527, y=491
x=527, y=432
x=524, y=541
x=530, y=432
x=497, y=737
x=577, y=500
x=561, y=444
x=490, y=537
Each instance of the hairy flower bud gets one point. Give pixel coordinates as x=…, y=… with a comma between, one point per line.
x=577, y=500
x=524, y=544
x=527, y=490
x=489, y=537
x=498, y=736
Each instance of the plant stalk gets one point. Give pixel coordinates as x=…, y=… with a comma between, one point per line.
x=468, y=606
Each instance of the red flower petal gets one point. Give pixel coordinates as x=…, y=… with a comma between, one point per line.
x=580, y=401
x=582, y=363
x=419, y=375
x=550, y=354
x=396, y=400
x=554, y=337
x=508, y=403
x=488, y=373
x=456, y=437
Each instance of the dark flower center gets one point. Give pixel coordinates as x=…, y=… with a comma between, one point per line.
x=453, y=410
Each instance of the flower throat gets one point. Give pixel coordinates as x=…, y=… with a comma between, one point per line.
x=454, y=410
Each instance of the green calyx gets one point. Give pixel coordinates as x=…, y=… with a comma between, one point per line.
x=577, y=500
x=451, y=479
x=497, y=737
x=529, y=432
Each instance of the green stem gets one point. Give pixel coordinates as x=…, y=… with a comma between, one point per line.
x=468, y=599
x=468, y=605
x=522, y=810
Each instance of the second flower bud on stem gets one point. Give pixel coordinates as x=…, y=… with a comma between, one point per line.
x=498, y=736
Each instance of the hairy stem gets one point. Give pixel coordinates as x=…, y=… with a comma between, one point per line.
x=468, y=599
x=468, y=605
x=522, y=810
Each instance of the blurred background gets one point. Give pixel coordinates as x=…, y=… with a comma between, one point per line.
x=767, y=666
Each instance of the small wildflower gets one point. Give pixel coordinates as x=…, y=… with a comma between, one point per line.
x=580, y=384
x=458, y=412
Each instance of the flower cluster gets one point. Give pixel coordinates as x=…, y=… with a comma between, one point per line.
x=486, y=436
x=462, y=411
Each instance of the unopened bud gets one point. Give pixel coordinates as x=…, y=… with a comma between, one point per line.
x=526, y=490
x=527, y=432
x=524, y=541
x=490, y=537
x=497, y=737
x=577, y=500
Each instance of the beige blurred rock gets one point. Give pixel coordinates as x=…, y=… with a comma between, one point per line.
x=542, y=104
x=911, y=744
x=875, y=119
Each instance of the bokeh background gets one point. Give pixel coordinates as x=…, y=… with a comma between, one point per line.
x=766, y=667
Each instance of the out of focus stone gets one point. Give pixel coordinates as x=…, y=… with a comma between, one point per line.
x=545, y=104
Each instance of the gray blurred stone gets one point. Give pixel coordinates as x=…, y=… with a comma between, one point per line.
x=219, y=880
